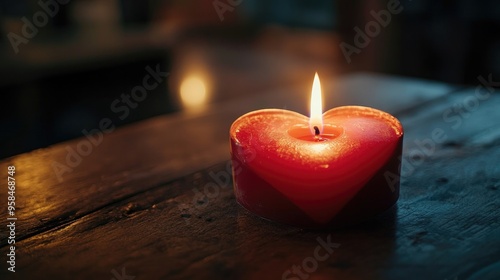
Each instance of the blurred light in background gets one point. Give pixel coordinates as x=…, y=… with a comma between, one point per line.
x=193, y=91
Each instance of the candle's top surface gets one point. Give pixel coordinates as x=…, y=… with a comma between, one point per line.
x=353, y=130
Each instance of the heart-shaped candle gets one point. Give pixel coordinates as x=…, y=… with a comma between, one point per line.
x=332, y=169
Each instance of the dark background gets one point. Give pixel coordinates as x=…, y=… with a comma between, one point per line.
x=91, y=51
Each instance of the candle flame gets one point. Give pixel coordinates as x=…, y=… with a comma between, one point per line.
x=316, y=118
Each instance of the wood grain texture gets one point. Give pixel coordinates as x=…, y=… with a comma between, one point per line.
x=133, y=204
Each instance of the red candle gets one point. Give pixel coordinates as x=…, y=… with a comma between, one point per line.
x=331, y=169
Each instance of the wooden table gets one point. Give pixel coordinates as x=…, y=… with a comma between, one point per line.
x=137, y=204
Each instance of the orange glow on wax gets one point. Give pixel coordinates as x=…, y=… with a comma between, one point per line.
x=316, y=111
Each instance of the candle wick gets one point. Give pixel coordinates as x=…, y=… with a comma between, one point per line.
x=316, y=130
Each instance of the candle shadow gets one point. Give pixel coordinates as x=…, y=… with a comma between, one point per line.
x=271, y=251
